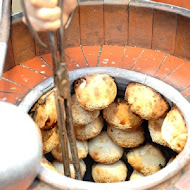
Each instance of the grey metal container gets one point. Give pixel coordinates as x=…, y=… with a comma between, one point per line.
x=161, y=179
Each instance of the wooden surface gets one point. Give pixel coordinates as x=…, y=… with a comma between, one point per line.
x=164, y=31
x=116, y=24
x=182, y=46
x=22, y=42
x=111, y=22
x=91, y=25
x=9, y=61
x=140, y=26
x=72, y=33
x=39, y=50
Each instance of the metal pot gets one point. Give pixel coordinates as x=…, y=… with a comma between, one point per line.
x=21, y=148
x=122, y=77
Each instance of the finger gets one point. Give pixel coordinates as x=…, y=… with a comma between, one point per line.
x=52, y=26
x=65, y=18
x=44, y=3
x=40, y=26
x=47, y=14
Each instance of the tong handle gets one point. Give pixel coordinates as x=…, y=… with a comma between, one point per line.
x=4, y=31
x=63, y=94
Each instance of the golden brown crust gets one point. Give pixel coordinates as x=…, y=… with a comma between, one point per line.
x=89, y=131
x=103, y=150
x=154, y=127
x=60, y=169
x=47, y=164
x=40, y=101
x=81, y=117
x=127, y=139
x=174, y=130
x=95, y=91
x=116, y=172
x=45, y=115
x=145, y=101
x=50, y=139
x=82, y=149
x=146, y=159
x=119, y=115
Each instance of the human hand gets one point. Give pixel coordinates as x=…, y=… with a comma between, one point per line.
x=45, y=15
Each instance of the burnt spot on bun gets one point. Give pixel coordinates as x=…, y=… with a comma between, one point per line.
x=79, y=81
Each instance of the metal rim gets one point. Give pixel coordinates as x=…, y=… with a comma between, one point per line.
x=123, y=75
x=140, y=3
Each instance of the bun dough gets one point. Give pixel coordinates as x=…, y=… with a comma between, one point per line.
x=95, y=91
x=154, y=127
x=146, y=159
x=136, y=175
x=81, y=117
x=50, y=139
x=127, y=139
x=174, y=130
x=82, y=148
x=59, y=168
x=116, y=172
x=89, y=131
x=146, y=102
x=103, y=150
x=119, y=115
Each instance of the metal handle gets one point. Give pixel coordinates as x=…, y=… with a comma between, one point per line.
x=5, y=31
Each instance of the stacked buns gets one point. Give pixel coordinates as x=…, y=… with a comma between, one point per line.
x=146, y=102
x=174, y=130
x=146, y=159
x=134, y=130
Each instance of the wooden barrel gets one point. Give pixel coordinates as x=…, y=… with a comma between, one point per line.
x=145, y=24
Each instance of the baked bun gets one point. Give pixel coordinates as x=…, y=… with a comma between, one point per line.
x=119, y=115
x=45, y=115
x=60, y=168
x=40, y=101
x=154, y=127
x=174, y=130
x=146, y=159
x=82, y=148
x=50, y=139
x=81, y=117
x=89, y=131
x=47, y=164
x=95, y=91
x=146, y=102
x=135, y=175
x=127, y=139
x=116, y=172
x=103, y=150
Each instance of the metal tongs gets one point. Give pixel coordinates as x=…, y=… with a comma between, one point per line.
x=62, y=94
